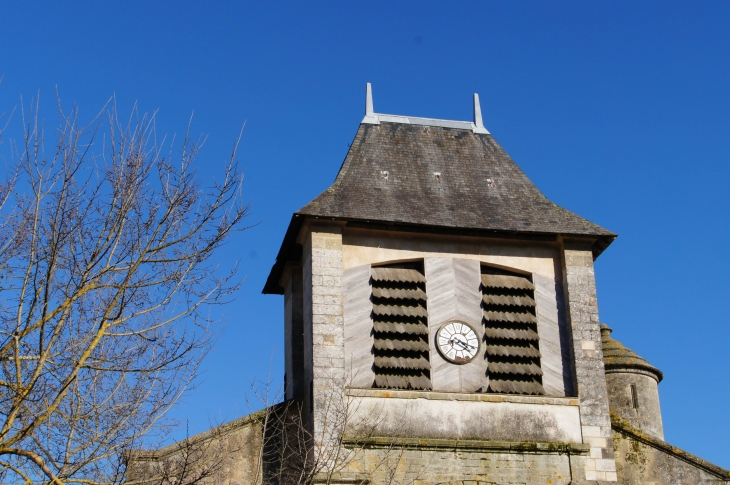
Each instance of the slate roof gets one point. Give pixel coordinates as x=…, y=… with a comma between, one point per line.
x=479, y=187
x=437, y=177
x=618, y=358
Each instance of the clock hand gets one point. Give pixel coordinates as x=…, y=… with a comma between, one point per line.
x=463, y=345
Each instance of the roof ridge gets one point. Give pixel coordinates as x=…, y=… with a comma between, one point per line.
x=373, y=118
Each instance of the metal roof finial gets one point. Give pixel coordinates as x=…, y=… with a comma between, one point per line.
x=478, y=123
x=370, y=116
x=369, y=100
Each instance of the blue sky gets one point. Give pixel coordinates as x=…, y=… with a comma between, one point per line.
x=619, y=111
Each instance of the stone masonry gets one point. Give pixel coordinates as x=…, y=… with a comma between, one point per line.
x=430, y=465
x=582, y=312
x=324, y=325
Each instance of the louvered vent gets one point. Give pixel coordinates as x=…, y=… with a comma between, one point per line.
x=513, y=350
x=400, y=327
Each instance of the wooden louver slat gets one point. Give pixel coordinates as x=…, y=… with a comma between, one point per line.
x=402, y=381
x=507, y=281
x=508, y=300
x=510, y=368
x=510, y=333
x=399, y=294
x=400, y=310
x=510, y=351
x=390, y=344
x=400, y=328
x=398, y=275
x=507, y=316
x=402, y=362
x=515, y=387
x=513, y=344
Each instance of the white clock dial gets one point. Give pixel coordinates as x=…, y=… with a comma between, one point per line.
x=457, y=342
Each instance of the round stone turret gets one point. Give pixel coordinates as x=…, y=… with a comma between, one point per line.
x=633, y=391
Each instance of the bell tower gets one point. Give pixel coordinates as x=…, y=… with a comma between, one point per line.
x=440, y=297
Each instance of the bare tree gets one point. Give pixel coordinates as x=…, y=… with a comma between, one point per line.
x=106, y=280
x=293, y=454
x=195, y=460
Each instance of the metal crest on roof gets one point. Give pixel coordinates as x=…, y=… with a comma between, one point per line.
x=373, y=118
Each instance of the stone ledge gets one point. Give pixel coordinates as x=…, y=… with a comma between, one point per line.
x=458, y=396
x=340, y=479
x=467, y=445
x=592, y=482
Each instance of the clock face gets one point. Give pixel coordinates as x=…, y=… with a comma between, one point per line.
x=457, y=342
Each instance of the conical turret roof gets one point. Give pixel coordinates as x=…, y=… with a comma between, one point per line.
x=619, y=358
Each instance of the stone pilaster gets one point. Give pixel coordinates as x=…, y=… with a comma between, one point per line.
x=324, y=329
x=582, y=310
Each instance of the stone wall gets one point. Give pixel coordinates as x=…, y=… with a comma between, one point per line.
x=582, y=306
x=641, y=409
x=463, y=416
x=226, y=455
x=432, y=462
x=230, y=455
x=324, y=338
x=644, y=460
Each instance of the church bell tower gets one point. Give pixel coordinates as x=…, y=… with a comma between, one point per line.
x=436, y=290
